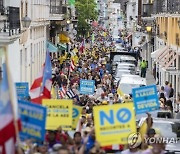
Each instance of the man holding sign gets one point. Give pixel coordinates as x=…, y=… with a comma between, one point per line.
x=114, y=123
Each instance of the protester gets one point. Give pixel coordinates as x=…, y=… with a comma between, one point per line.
x=92, y=64
x=143, y=66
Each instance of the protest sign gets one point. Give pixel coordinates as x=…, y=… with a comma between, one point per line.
x=114, y=123
x=75, y=115
x=33, y=118
x=87, y=87
x=59, y=113
x=145, y=99
x=22, y=90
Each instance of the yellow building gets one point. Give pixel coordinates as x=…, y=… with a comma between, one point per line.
x=167, y=54
x=169, y=29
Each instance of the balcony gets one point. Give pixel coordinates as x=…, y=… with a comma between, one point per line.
x=1, y=7
x=57, y=10
x=9, y=25
x=147, y=10
x=166, y=6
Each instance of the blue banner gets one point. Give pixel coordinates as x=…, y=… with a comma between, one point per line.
x=33, y=118
x=145, y=99
x=87, y=87
x=22, y=89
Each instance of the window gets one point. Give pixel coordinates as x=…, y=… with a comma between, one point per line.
x=1, y=6
x=56, y=6
x=26, y=6
x=22, y=9
x=177, y=39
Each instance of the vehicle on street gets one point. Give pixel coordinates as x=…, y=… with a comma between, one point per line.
x=124, y=59
x=169, y=129
x=129, y=81
x=121, y=72
x=157, y=114
x=127, y=66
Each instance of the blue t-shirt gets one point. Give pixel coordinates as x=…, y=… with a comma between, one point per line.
x=90, y=144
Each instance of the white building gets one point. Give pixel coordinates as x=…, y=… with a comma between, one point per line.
x=132, y=14
x=26, y=48
x=9, y=35
x=33, y=40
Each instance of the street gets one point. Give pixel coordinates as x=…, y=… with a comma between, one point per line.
x=89, y=77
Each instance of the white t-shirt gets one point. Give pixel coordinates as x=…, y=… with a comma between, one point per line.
x=129, y=152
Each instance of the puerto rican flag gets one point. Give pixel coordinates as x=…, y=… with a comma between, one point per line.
x=62, y=92
x=8, y=114
x=41, y=87
x=113, y=148
x=72, y=66
x=82, y=47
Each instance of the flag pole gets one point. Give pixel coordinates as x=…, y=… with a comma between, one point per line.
x=11, y=97
x=69, y=73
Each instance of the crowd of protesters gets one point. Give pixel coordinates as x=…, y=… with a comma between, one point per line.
x=91, y=63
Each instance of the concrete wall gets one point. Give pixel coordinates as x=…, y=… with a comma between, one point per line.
x=14, y=60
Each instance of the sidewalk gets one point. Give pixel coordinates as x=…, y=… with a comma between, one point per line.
x=149, y=78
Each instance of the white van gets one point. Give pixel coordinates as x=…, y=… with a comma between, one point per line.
x=128, y=82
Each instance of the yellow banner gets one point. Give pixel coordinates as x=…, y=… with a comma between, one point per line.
x=75, y=116
x=114, y=123
x=63, y=38
x=59, y=113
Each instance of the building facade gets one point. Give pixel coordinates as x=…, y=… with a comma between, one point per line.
x=167, y=54
x=33, y=40
x=10, y=31
x=25, y=47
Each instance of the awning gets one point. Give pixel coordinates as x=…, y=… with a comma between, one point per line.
x=51, y=47
x=163, y=54
x=62, y=46
x=170, y=62
x=167, y=58
x=129, y=36
x=63, y=38
x=158, y=52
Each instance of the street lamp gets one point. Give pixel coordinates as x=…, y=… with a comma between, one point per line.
x=26, y=21
x=148, y=28
x=68, y=21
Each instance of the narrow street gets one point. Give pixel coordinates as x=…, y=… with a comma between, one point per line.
x=89, y=77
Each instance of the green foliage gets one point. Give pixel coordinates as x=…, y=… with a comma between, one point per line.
x=86, y=11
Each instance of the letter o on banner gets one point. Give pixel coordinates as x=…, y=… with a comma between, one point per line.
x=124, y=115
x=75, y=112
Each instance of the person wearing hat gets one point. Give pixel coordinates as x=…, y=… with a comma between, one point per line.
x=104, y=103
x=110, y=98
x=102, y=98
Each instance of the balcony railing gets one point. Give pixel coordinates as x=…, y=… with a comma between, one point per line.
x=58, y=9
x=147, y=10
x=11, y=22
x=166, y=6
x=1, y=7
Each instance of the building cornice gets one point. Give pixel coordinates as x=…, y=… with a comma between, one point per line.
x=166, y=15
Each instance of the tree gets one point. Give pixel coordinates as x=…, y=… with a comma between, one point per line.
x=86, y=12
